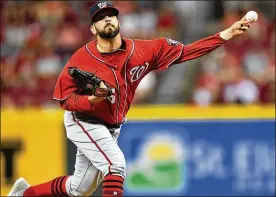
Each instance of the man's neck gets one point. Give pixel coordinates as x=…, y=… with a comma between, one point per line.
x=109, y=45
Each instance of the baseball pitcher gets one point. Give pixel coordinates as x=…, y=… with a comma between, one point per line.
x=95, y=89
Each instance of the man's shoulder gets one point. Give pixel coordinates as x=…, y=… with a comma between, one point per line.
x=161, y=41
x=147, y=41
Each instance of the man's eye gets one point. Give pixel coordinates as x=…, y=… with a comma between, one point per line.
x=101, y=17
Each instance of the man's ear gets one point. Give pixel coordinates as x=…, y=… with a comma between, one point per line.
x=93, y=29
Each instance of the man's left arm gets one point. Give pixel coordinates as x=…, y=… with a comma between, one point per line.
x=208, y=44
x=167, y=52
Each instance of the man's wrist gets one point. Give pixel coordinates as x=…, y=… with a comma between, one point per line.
x=93, y=99
x=225, y=35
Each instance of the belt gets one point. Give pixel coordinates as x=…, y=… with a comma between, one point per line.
x=94, y=120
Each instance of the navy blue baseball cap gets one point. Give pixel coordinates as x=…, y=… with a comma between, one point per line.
x=100, y=6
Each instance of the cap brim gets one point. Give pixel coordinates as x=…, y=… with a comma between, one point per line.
x=112, y=9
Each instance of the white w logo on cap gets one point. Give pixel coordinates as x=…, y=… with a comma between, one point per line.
x=102, y=5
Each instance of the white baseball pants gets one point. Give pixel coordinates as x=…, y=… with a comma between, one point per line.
x=98, y=154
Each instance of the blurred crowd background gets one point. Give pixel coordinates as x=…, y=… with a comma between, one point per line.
x=38, y=38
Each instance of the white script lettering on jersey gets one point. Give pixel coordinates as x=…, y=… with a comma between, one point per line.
x=138, y=71
x=102, y=5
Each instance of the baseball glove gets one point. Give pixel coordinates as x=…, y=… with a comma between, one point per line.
x=88, y=83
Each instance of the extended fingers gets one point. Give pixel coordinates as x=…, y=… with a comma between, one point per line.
x=243, y=19
x=243, y=25
x=243, y=22
x=244, y=28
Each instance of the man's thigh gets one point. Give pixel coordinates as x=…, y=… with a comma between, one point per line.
x=98, y=145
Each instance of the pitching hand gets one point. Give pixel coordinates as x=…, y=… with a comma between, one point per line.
x=237, y=29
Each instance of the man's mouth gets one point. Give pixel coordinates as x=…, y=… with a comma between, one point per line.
x=109, y=25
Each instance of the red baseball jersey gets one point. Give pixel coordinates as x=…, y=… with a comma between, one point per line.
x=123, y=70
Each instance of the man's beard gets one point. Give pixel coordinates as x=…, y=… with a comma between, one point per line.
x=110, y=33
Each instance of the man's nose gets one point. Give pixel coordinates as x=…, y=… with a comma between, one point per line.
x=107, y=18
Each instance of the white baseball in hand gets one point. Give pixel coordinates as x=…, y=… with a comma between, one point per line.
x=251, y=16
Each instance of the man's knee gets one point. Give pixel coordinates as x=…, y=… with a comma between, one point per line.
x=81, y=187
x=118, y=167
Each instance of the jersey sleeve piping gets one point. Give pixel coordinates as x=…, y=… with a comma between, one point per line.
x=62, y=99
x=177, y=56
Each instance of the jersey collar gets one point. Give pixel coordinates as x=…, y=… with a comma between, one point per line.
x=93, y=51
